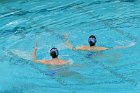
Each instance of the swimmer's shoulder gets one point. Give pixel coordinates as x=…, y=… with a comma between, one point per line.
x=97, y=48
x=43, y=61
x=46, y=61
x=59, y=62
x=52, y=62
x=88, y=48
x=63, y=62
x=82, y=48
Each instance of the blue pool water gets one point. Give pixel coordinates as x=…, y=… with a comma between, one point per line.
x=113, y=22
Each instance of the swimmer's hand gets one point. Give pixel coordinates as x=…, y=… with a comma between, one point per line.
x=36, y=45
x=34, y=52
x=69, y=45
x=117, y=47
x=70, y=62
x=65, y=36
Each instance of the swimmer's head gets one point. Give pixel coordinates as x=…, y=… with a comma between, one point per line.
x=54, y=52
x=92, y=40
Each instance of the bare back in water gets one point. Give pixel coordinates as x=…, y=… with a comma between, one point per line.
x=54, y=61
x=88, y=48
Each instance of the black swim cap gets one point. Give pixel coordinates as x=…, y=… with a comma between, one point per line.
x=54, y=52
x=92, y=40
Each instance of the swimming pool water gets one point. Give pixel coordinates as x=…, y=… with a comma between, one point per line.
x=113, y=22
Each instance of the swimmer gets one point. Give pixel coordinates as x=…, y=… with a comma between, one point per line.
x=92, y=42
x=54, y=61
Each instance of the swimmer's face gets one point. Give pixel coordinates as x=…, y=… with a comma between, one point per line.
x=54, y=52
x=92, y=40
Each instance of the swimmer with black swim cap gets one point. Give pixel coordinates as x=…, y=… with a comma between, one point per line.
x=92, y=42
x=54, y=61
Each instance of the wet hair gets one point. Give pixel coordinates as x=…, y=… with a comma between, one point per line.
x=92, y=40
x=54, y=52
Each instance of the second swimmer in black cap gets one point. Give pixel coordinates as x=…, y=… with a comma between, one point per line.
x=54, y=61
x=92, y=42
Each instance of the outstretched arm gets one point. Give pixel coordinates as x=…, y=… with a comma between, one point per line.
x=118, y=47
x=34, y=54
x=35, y=58
x=129, y=45
x=69, y=45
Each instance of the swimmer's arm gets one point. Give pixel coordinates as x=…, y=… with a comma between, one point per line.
x=101, y=48
x=35, y=58
x=118, y=47
x=121, y=47
x=69, y=45
x=104, y=48
x=34, y=55
x=87, y=48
